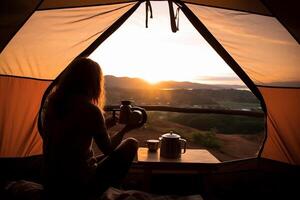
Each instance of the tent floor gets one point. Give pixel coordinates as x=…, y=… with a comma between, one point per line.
x=245, y=179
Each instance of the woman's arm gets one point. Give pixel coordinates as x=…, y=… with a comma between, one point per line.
x=96, y=127
x=99, y=132
x=117, y=138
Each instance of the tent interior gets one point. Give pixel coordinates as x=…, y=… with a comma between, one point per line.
x=257, y=39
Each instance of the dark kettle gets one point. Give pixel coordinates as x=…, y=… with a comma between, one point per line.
x=132, y=114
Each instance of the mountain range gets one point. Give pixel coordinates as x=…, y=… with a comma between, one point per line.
x=138, y=83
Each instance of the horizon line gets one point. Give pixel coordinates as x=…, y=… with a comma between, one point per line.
x=184, y=81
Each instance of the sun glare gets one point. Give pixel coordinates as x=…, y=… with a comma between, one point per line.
x=156, y=54
x=153, y=80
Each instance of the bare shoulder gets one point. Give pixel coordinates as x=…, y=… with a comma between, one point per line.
x=94, y=119
x=84, y=108
x=92, y=112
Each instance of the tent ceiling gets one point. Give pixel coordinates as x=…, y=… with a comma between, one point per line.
x=12, y=16
x=55, y=4
x=287, y=12
x=252, y=6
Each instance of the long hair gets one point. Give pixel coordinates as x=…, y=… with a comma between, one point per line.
x=82, y=76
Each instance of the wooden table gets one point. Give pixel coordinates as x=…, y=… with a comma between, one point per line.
x=153, y=172
x=189, y=157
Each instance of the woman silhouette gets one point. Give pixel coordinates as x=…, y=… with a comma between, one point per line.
x=73, y=118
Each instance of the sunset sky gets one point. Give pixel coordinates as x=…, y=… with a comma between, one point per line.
x=156, y=53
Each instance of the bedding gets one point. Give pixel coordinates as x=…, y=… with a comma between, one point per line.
x=27, y=190
x=117, y=194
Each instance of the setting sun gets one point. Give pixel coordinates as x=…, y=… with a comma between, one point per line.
x=156, y=54
x=153, y=80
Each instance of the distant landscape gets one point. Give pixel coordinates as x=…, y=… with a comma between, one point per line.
x=138, y=83
x=227, y=137
x=179, y=94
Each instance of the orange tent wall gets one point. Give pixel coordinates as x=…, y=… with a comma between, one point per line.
x=283, y=119
x=19, y=104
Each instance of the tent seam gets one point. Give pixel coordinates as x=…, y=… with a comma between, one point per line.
x=25, y=77
x=21, y=25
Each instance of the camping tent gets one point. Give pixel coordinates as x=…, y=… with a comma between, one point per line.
x=259, y=40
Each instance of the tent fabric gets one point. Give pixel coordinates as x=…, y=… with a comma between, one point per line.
x=19, y=104
x=287, y=13
x=252, y=6
x=259, y=44
x=58, y=31
x=51, y=39
x=283, y=114
x=12, y=16
x=255, y=6
x=55, y=4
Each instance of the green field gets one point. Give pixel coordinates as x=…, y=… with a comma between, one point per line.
x=226, y=124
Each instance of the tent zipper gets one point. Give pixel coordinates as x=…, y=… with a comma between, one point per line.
x=174, y=19
x=148, y=9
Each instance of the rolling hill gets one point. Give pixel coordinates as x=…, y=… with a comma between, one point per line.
x=138, y=83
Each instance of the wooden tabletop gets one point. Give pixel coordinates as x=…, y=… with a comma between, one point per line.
x=190, y=156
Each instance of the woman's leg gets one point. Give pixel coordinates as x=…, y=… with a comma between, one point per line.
x=113, y=168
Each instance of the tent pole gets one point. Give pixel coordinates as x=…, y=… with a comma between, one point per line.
x=9, y=4
x=286, y=19
x=201, y=28
x=109, y=31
